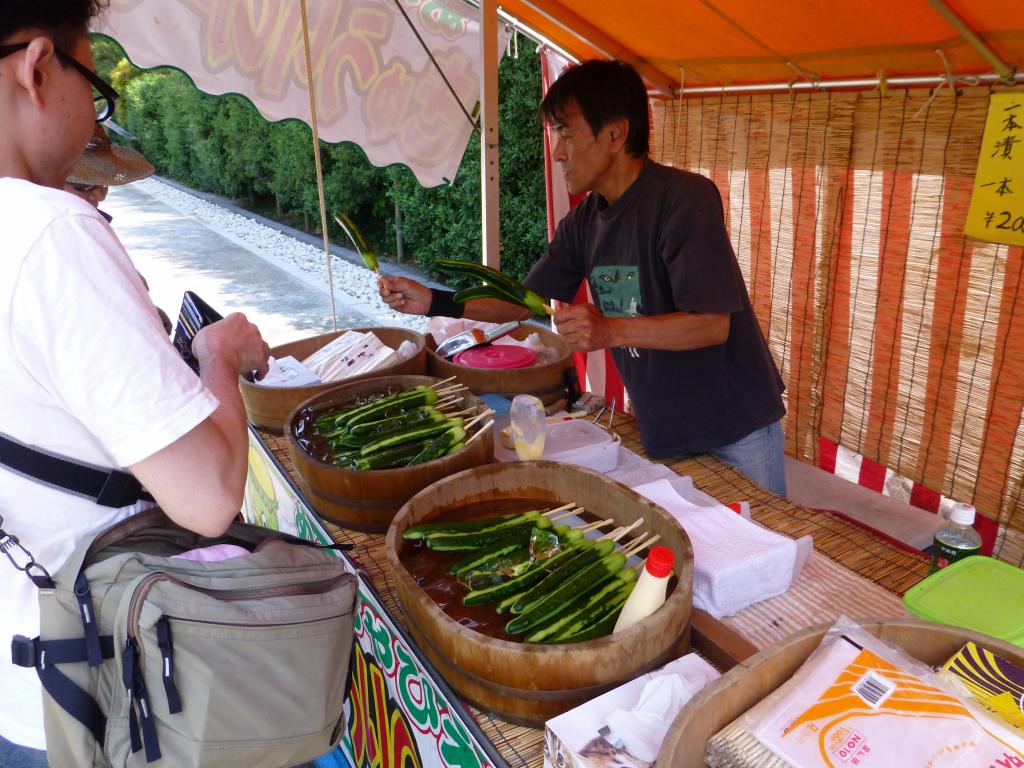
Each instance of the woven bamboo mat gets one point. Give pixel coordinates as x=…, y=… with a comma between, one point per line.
x=835, y=541
x=856, y=548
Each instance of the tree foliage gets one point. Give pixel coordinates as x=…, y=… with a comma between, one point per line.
x=222, y=145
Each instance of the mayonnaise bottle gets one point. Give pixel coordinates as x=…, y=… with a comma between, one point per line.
x=651, y=588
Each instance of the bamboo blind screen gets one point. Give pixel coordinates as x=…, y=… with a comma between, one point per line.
x=897, y=337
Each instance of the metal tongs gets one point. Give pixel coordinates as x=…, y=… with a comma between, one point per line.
x=611, y=415
x=474, y=337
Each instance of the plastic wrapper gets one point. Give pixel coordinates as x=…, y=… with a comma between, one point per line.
x=858, y=701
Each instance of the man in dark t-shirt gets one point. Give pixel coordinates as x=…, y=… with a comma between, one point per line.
x=669, y=297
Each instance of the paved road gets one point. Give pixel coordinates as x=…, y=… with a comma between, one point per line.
x=176, y=253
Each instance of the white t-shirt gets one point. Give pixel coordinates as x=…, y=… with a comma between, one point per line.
x=87, y=372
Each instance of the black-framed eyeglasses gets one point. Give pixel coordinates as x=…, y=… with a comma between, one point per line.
x=104, y=96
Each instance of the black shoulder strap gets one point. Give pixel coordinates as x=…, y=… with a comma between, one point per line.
x=106, y=487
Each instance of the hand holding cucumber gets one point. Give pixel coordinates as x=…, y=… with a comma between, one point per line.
x=404, y=295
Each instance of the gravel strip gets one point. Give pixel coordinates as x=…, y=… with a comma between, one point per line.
x=354, y=286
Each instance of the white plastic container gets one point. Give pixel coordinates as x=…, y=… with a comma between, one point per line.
x=576, y=441
x=584, y=444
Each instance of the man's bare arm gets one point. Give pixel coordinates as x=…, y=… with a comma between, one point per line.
x=586, y=329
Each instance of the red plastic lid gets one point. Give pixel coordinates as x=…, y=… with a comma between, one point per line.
x=496, y=356
x=660, y=561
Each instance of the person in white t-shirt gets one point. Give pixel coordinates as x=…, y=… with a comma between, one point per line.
x=87, y=372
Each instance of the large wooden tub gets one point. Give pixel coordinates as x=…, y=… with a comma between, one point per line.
x=368, y=501
x=268, y=407
x=546, y=381
x=749, y=682
x=530, y=683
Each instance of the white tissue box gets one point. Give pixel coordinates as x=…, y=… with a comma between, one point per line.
x=582, y=738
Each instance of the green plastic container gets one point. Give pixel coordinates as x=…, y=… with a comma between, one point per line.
x=977, y=593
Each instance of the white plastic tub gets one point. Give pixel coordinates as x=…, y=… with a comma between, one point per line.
x=578, y=442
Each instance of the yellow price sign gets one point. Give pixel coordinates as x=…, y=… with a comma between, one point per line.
x=996, y=213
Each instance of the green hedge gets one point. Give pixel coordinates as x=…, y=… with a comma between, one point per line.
x=222, y=145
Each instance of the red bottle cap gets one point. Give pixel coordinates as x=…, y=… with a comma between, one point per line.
x=660, y=561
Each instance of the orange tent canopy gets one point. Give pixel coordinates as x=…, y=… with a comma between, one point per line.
x=727, y=42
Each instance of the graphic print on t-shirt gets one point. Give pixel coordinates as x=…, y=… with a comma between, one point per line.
x=617, y=290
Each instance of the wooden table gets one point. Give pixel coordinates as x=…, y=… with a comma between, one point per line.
x=852, y=568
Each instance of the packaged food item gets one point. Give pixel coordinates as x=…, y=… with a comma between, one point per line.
x=995, y=684
x=858, y=701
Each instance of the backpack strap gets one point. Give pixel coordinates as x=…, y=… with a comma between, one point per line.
x=44, y=656
x=107, y=487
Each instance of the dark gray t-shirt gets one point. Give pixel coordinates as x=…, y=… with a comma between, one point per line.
x=662, y=247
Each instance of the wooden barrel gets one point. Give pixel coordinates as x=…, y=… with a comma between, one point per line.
x=749, y=682
x=268, y=407
x=530, y=683
x=546, y=381
x=368, y=501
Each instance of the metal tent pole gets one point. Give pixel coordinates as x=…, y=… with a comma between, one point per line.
x=1004, y=71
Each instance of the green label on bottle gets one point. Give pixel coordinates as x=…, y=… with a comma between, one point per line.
x=943, y=555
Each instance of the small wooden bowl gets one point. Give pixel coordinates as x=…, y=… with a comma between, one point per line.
x=268, y=407
x=546, y=381
x=368, y=501
x=749, y=682
x=530, y=683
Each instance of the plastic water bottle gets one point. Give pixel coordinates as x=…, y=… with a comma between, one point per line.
x=956, y=540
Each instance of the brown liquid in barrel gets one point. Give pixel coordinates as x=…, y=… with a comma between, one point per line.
x=430, y=568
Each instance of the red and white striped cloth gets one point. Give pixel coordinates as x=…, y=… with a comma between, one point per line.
x=844, y=463
x=596, y=370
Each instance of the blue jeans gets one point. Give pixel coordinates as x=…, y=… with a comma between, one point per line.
x=759, y=456
x=17, y=756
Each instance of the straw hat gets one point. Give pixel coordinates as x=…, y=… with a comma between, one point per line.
x=103, y=164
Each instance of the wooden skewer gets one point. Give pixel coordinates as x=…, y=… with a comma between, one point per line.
x=447, y=401
x=560, y=509
x=569, y=513
x=627, y=546
x=483, y=415
x=443, y=381
x=618, y=533
x=480, y=431
x=595, y=526
x=454, y=388
x=636, y=547
x=451, y=414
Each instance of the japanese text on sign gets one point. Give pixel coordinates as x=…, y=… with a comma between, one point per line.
x=997, y=205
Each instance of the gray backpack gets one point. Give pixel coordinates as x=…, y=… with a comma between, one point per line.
x=150, y=659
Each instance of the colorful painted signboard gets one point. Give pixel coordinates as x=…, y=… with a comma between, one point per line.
x=400, y=714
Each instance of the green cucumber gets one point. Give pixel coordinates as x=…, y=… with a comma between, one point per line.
x=590, y=552
x=474, y=292
x=424, y=413
x=585, y=608
x=604, y=626
x=519, y=583
x=505, y=604
x=583, y=581
x=389, y=459
x=460, y=526
x=484, y=556
x=518, y=531
x=439, y=446
x=415, y=433
x=507, y=288
x=406, y=400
